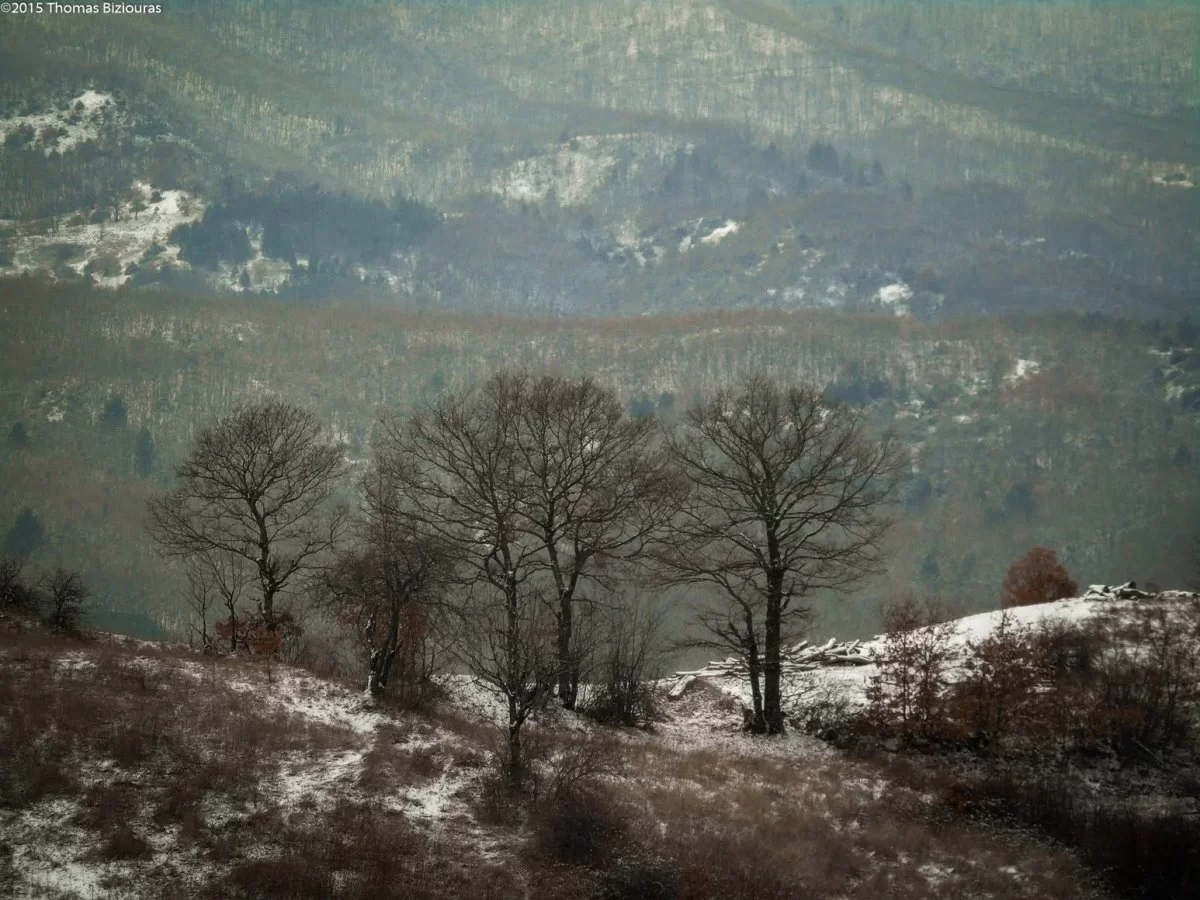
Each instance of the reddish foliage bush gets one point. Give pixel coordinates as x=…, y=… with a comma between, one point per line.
x=1037, y=577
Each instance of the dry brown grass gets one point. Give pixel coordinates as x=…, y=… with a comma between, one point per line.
x=734, y=826
x=390, y=763
x=149, y=745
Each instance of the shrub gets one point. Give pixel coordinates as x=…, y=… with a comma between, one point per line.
x=580, y=829
x=1145, y=855
x=1037, y=577
x=125, y=843
x=66, y=595
x=622, y=692
x=909, y=693
x=1131, y=686
x=1149, y=678
x=1001, y=692
x=16, y=595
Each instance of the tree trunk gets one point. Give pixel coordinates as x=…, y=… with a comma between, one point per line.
x=773, y=703
x=756, y=722
x=514, y=752
x=568, y=678
x=379, y=668
x=515, y=677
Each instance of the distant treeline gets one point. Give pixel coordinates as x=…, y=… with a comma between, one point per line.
x=304, y=223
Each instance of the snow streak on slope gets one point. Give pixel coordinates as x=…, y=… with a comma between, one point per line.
x=850, y=681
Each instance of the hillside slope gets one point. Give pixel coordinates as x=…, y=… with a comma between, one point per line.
x=144, y=771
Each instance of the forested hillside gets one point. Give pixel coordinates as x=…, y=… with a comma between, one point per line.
x=613, y=156
x=1080, y=433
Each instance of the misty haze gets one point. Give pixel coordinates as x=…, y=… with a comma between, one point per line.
x=600, y=449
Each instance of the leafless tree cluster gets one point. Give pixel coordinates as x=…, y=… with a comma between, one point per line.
x=512, y=522
x=58, y=597
x=388, y=585
x=545, y=492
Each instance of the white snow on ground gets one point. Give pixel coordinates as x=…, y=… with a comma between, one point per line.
x=316, y=700
x=111, y=246
x=306, y=776
x=721, y=232
x=1023, y=369
x=895, y=295
x=572, y=175
x=86, y=109
x=1176, y=180
x=849, y=682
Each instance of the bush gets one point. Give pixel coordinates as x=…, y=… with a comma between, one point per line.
x=1149, y=678
x=125, y=843
x=909, y=693
x=1132, y=687
x=16, y=595
x=1037, y=577
x=354, y=852
x=66, y=595
x=1145, y=855
x=1000, y=696
x=580, y=830
x=622, y=692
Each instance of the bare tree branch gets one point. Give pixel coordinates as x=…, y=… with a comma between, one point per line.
x=787, y=499
x=258, y=486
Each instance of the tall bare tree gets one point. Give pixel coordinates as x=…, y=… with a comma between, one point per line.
x=258, y=485
x=217, y=579
x=387, y=586
x=596, y=489
x=787, y=498
x=460, y=469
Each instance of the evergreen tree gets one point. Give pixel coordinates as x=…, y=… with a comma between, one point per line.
x=26, y=535
x=115, y=414
x=18, y=436
x=145, y=456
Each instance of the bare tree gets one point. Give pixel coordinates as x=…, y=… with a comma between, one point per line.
x=16, y=594
x=66, y=595
x=596, y=489
x=460, y=470
x=787, y=498
x=218, y=580
x=627, y=651
x=257, y=485
x=909, y=691
x=387, y=587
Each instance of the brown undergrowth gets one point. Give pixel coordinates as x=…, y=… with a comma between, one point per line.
x=151, y=770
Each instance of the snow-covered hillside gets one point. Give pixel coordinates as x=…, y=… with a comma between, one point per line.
x=140, y=770
x=108, y=250
x=59, y=130
x=844, y=669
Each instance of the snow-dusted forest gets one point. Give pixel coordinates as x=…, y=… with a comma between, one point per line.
x=599, y=449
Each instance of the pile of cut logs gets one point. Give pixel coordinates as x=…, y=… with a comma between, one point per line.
x=801, y=657
x=1129, y=591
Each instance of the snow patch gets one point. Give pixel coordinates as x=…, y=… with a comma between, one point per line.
x=896, y=296
x=1024, y=368
x=719, y=234
x=77, y=124
x=112, y=248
